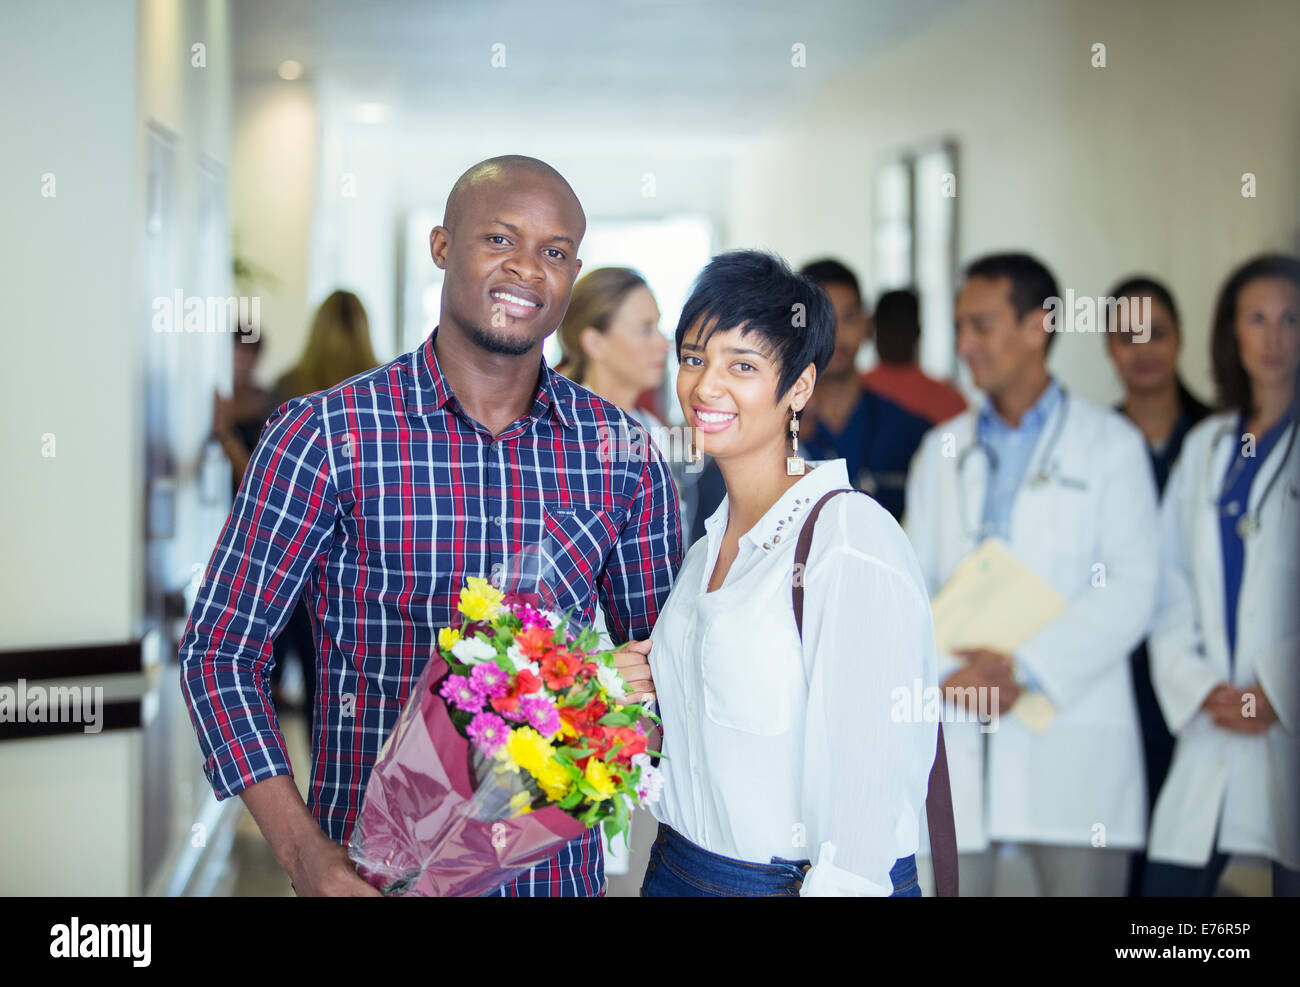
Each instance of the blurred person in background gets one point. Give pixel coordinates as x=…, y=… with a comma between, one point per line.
x=338, y=347
x=1225, y=644
x=613, y=347
x=237, y=420
x=611, y=339
x=1145, y=354
x=1065, y=486
x=875, y=436
x=899, y=377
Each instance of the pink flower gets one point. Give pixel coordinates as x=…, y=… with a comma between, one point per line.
x=488, y=732
x=490, y=679
x=541, y=714
x=461, y=693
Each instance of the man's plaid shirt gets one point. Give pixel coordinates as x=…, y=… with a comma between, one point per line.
x=376, y=499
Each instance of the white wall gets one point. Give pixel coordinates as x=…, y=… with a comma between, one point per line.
x=1099, y=171
x=273, y=192
x=71, y=543
x=80, y=83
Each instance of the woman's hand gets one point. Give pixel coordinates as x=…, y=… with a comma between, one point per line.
x=633, y=664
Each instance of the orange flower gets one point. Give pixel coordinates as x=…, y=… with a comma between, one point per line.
x=559, y=669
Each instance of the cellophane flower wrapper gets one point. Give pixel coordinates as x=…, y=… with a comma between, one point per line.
x=425, y=830
x=515, y=739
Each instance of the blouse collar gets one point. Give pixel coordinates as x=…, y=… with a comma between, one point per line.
x=782, y=521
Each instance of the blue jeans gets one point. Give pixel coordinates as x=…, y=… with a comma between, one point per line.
x=680, y=869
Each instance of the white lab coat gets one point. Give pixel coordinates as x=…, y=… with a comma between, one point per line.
x=1090, y=532
x=1251, y=779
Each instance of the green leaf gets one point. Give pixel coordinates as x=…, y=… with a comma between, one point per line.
x=619, y=719
x=570, y=801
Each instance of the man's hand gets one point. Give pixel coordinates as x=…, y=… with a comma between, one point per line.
x=1226, y=705
x=632, y=662
x=315, y=864
x=990, y=670
x=324, y=870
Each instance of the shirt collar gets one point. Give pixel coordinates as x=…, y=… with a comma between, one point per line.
x=428, y=391
x=1032, y=420
x=782, y=521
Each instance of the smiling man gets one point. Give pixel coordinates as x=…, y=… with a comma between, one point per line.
x=379, y=497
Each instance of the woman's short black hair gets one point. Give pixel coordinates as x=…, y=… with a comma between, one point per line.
x=1142, y=286
x=1230, y=377
x=756, y=292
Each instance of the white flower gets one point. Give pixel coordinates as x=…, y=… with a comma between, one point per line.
x=520, y=660
x=472, y=651
x=612, y=681
x=652, y=780
x=552, y=618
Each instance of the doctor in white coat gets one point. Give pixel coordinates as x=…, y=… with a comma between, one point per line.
x=1068, y=486
x=1225, y=648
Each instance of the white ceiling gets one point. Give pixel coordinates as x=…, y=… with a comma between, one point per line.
x=674, y=68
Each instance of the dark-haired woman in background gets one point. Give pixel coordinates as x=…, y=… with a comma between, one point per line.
x=1225, y=645
x=1145, y=355
x=786, y=770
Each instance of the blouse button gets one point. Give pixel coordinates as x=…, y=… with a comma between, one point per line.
x=766, y=545
x=777, y=538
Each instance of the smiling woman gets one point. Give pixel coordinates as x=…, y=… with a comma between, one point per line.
x=765, y=713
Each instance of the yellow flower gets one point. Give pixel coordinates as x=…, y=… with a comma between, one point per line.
x=554, y=780
x=528, y=749
x=599, y=778
x=521, y=803
x=480, y=600
x=447, y=637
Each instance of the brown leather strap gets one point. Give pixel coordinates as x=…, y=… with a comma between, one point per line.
x=938, y=799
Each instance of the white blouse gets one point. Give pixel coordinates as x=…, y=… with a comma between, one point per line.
x=815, y=753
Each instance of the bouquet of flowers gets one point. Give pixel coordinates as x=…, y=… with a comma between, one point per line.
x=516, y=738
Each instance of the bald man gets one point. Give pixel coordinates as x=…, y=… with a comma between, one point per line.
x=377, y=498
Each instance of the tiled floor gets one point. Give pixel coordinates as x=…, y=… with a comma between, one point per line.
x=257, y=873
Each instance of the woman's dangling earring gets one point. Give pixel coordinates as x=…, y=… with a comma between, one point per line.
x=692, y=450
x=793, y=464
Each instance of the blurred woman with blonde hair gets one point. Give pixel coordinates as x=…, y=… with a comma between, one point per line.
x=611, y=339
x=338, y=347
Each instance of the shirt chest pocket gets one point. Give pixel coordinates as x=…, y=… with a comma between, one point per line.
x=752, y=667
x=576, y=543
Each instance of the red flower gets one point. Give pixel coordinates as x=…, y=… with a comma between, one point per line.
x=524, y=684
x=559, y=669
x=633, y=742
x=536, y=642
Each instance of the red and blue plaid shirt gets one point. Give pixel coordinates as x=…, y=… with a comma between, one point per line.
x=375, y=500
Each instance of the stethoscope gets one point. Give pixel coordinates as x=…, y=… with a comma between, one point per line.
x=1248, y=523
x=1038, y=477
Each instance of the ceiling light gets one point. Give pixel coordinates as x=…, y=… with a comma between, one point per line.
x=289, y=70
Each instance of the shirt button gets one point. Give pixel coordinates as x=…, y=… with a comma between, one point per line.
x=497, y=521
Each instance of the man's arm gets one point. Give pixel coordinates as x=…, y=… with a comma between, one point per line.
x=639, y=574
x=280, y=523
x=640, y=571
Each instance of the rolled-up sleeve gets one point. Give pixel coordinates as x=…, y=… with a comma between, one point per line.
x=281, y=522
x=870, y=656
